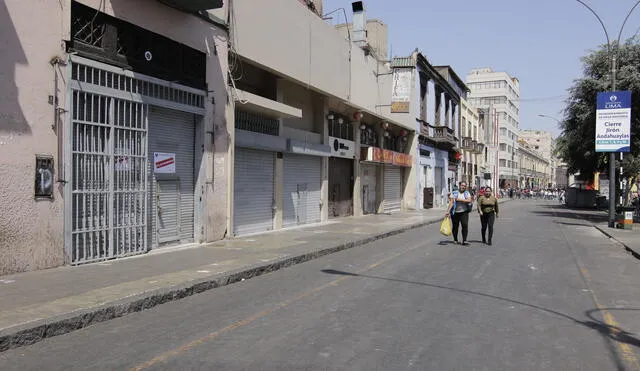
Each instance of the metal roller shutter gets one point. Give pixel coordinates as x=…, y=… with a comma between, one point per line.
x=392, y=189
x=302, y=183
x=369, y=182
x=172, y=195
x=253, y=194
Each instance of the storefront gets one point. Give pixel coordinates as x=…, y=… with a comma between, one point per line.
x=391, y=166
x=130, y=145
x=426, y=178
x=341, y=177
x=256, y=148
x=302, y=197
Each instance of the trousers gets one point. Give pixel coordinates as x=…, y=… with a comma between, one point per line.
x=487, y=220
x=457, y=219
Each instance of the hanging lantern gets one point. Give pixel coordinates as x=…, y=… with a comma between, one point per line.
x=385, y=125
x=357, y=116
x=458, y=156
x=386, y=133
x=403, y=133
x=363, y=126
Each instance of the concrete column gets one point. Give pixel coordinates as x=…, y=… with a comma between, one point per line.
x=230, y=170
x=380, y=174
x=322, y=110
x=410, y=195
x=357, y=185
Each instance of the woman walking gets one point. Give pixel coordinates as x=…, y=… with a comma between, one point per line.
x=460, y=202
x=488, y=210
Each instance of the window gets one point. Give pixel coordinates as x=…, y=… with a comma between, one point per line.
x=503, y=163
x=503, y=147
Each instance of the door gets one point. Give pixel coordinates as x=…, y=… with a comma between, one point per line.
x=392, y=189
x=171, y=149
x=340, y=187
x=302, y=183
x=438, y=185
x=369, y=182
x=253, y=191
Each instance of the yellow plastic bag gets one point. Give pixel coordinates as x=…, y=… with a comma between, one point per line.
x=445, y=226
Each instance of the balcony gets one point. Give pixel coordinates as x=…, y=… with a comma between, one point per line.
x=467, y=144
x=193, y=6
x=480, y=147
x=444, y=135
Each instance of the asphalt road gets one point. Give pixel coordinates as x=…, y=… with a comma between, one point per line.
x=550, y=294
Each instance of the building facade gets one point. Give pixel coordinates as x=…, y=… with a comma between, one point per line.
x=471, y=145
x=535, y=168
x=315, y=119
x=116, y=129
x=544, y=143
x=499, y=93
x=431, y=100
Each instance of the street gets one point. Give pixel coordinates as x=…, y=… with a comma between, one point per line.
x=551, y=293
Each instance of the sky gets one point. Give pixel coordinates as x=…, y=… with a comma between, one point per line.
x=541, y=42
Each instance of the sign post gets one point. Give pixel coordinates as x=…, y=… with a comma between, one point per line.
x=613, y=132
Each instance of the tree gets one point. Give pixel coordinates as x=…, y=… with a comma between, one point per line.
x=576, y=144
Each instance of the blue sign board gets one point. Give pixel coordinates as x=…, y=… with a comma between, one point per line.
x=613, y=122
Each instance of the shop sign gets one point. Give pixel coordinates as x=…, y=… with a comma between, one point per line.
x=387, y=156
x=401, y=159
x=371, y=154
x=342, y=147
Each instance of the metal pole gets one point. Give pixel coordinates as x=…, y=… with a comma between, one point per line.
x=612, y=157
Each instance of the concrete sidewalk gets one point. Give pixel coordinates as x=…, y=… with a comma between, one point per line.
x=630, y=239
x=42, y=304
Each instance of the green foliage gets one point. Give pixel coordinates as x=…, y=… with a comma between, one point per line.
x=576, y=144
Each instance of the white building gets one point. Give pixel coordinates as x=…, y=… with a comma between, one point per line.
x=499, y=93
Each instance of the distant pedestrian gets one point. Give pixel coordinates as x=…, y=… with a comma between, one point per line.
x=488, y=210
x=460, y=204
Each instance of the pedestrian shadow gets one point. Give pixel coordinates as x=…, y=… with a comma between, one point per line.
x=590, y=217
x=609, y=332
x=446, y=242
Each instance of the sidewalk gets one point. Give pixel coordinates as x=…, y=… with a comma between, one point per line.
x=42, y=304
x=630, y=239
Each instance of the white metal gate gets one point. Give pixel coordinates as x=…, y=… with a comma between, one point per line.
x=106, y=157
x=302, y=196
x=109, y=184
x=392, y=189
x=253, y=191
x=172, y=194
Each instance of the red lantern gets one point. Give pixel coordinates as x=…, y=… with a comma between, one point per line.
x=458, y=156
x=357, y=116
x=403, y=133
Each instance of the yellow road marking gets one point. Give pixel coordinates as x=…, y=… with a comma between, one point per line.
x=213, y=335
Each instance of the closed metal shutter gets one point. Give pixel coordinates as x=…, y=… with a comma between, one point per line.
x=302, y=183
x=392, y=189
x=172, y=195
x=253, y=191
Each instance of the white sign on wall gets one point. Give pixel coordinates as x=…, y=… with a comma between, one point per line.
x=164, y=163
x=401, y=93
x=342, y=148
x=613, y=122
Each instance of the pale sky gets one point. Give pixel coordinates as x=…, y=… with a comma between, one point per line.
x=538, y=41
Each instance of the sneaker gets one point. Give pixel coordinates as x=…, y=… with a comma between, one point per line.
x=465, y=243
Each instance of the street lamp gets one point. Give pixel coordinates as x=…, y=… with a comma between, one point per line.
x=550, y=117
x=612, y=155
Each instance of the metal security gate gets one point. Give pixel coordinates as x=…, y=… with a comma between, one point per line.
x=106, y=157
x=171, y=141
x=109, y=184
x=253, y=191
x=392, y=189
x=302, y=196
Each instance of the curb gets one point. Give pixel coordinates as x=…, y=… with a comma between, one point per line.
x=626, y=247
x=28, y=334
